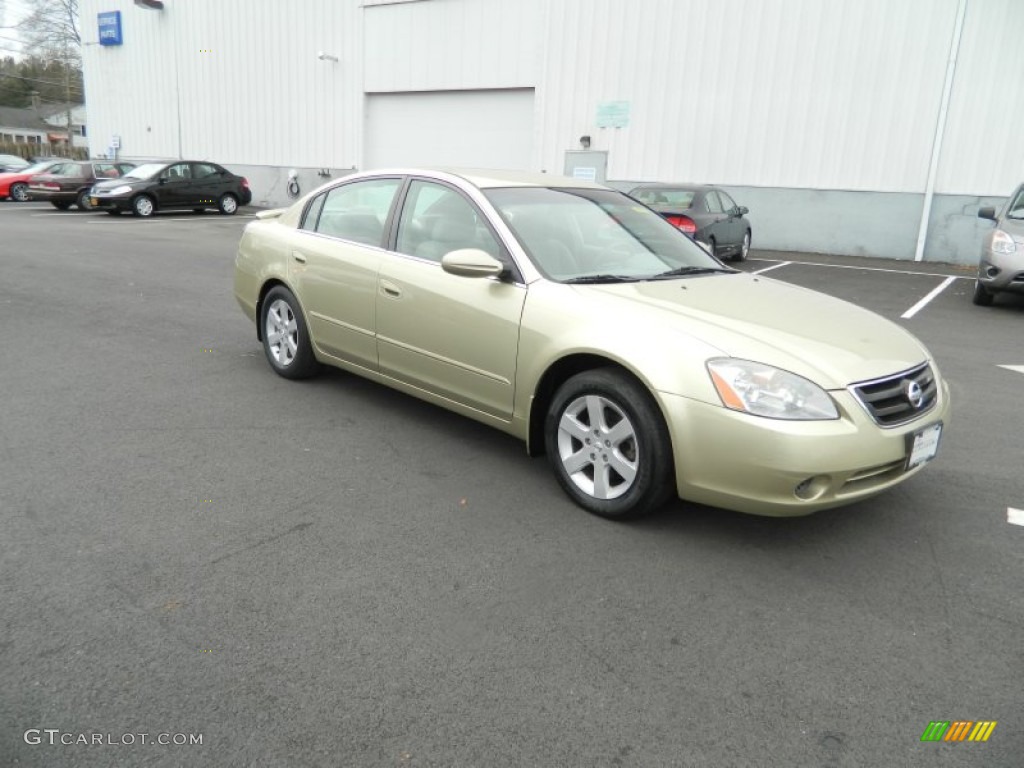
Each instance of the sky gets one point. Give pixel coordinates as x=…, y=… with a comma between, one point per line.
x=12, y=11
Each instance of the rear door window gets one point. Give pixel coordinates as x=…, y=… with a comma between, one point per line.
x=358, y=211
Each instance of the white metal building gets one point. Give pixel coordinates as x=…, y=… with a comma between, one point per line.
x=832, y=120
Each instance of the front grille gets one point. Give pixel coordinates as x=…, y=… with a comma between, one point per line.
x=888, y=400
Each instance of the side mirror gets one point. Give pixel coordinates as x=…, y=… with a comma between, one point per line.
x=471, y=262
x=988, y=212
x=162, y=180
x=743, y=210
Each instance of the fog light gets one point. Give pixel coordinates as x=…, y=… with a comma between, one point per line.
x=992, y=271
x=812, y=488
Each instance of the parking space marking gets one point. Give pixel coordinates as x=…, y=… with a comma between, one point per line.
x=931, y=295
x=773, y=266
x=1014, y=516
x=874, y=269
x=1016, y=368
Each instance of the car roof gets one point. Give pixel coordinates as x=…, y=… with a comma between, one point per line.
x=667, y=185
x=487, y=178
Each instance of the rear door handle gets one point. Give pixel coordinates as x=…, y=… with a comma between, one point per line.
x=299, y=257
x=390, y=289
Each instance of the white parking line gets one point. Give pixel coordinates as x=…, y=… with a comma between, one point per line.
x=1015, y=368
x=873, y=269
x=1014, y=516
x=931, y=295
x=773, y=266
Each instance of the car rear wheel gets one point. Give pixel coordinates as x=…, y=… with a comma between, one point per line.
x=82, y=201
x=60, y=205
x=19, y=192
x=608, y=445
x=143, y=206
x=285, y=338
x=982, y=296
x=744, y=248
x=227, y=204
x=713, y=245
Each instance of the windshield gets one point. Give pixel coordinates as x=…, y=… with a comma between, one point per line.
x=677, y=198
x=575, y=234
x=145, y=171
x=1015, y=210
x=39, y=167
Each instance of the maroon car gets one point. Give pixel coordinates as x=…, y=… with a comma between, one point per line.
x=69, y=183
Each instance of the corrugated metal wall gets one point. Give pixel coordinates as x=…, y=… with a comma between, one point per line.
x=828, y=94
x=817, y=94
x=240, y=77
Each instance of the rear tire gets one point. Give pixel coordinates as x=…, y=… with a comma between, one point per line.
x=19, y=192
x=608, y=445
x=286, y=340
x=982, y=296
x=228, y=204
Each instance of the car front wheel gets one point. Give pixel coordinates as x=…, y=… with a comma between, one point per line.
x=83, y=201
x=19, y=193
x=744, y=248
x=143, y=206
x=608, y=445
x=227, y=204
x=285, y=338
x=982, y=296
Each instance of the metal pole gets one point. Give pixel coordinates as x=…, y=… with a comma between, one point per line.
x=940, y=129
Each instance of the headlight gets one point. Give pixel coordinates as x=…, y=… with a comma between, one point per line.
x=124, y=189
x=1002, y=242
x=766, y=391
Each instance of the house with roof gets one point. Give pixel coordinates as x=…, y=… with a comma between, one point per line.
x=42, y=127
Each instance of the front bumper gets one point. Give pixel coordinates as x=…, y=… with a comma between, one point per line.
x=111, y=203
x=1002, y=271
x=52, y=195
x=751, y=464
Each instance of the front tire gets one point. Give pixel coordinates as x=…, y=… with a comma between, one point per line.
x=82, y=201
x=19, y=192
x=285, y=337
x=608, y=445
x=228, y=204
x=744, y=248
x=982, y=296
x=143, y=206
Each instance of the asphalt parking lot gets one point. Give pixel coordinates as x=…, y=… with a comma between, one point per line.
x=329, y=573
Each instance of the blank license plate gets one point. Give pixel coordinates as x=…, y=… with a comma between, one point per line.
x=924, y=444
x=94, y=201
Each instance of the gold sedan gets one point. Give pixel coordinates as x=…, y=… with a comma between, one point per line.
x=580, y=321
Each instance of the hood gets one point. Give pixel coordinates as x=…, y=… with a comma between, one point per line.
x=825, y=339
x=1014, y=228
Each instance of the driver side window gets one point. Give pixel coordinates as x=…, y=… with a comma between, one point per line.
x=437, y=220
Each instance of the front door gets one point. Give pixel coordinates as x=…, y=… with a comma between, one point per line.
x=453, y=336
x=174, y=189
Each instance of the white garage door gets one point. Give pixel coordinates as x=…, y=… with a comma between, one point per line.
x=469, y=129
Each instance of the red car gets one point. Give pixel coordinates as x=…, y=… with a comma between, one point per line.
x=14, y=184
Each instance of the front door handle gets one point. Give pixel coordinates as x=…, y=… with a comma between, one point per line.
x=390, y=289
x=298, y=257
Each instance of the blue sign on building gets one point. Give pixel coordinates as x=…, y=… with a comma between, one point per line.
x=110, y=28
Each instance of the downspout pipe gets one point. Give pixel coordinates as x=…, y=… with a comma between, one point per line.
x=940, y=129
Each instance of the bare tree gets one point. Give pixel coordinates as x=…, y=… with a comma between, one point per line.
x=50, y=30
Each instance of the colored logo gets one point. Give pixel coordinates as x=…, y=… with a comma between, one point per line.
x=958, y=730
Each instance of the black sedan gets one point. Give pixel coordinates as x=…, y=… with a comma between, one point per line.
x=180, y=184
x=707, y=214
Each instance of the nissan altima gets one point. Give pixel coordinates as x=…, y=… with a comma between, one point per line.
x=584, y=323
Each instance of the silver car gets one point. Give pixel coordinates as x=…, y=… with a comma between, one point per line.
x=1002, y=251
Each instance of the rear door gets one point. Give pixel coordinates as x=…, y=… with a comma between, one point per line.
x=207, y=184
x=334, y=265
